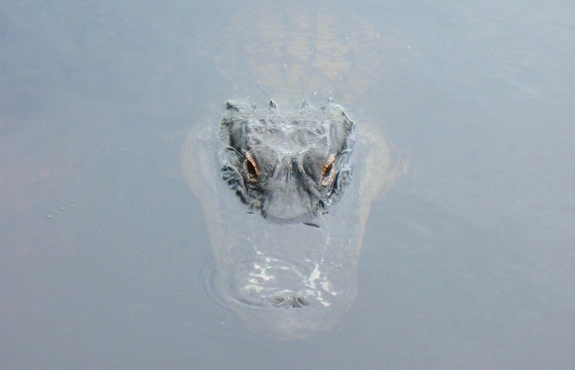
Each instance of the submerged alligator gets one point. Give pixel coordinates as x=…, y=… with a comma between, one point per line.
x=286, y=193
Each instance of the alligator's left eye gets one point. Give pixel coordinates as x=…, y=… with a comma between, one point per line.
x=320, y=166
x=327, y=172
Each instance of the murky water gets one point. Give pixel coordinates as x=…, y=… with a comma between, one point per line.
x=105, y=259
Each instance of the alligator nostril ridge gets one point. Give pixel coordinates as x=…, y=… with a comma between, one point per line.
x=289, y=300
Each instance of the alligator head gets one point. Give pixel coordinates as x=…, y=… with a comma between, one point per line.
x=289, y=165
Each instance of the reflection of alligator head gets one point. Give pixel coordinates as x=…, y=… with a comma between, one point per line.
x=287, y=164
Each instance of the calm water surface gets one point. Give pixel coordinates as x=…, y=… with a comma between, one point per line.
x=105, y=260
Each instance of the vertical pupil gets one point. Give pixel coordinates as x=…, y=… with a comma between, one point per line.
x=250, y=167
x=326, y=170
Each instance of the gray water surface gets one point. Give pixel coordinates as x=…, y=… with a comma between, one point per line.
x=105, y=260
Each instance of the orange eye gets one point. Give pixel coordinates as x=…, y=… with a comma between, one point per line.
x=327, y=172
x=251, y=168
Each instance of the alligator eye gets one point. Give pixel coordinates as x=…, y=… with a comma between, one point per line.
x=251, y=168
x=327, y=172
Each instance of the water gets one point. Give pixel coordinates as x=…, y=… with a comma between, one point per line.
x=104, y=255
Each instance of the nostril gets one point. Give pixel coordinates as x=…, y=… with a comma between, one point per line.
x=289, y=300
x=302, y=301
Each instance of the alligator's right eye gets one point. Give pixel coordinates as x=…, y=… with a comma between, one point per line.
x=251, y=168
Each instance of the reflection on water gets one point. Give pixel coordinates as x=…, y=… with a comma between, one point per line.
x=471, y=269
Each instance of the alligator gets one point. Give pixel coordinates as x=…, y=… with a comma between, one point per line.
x=286, y=192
